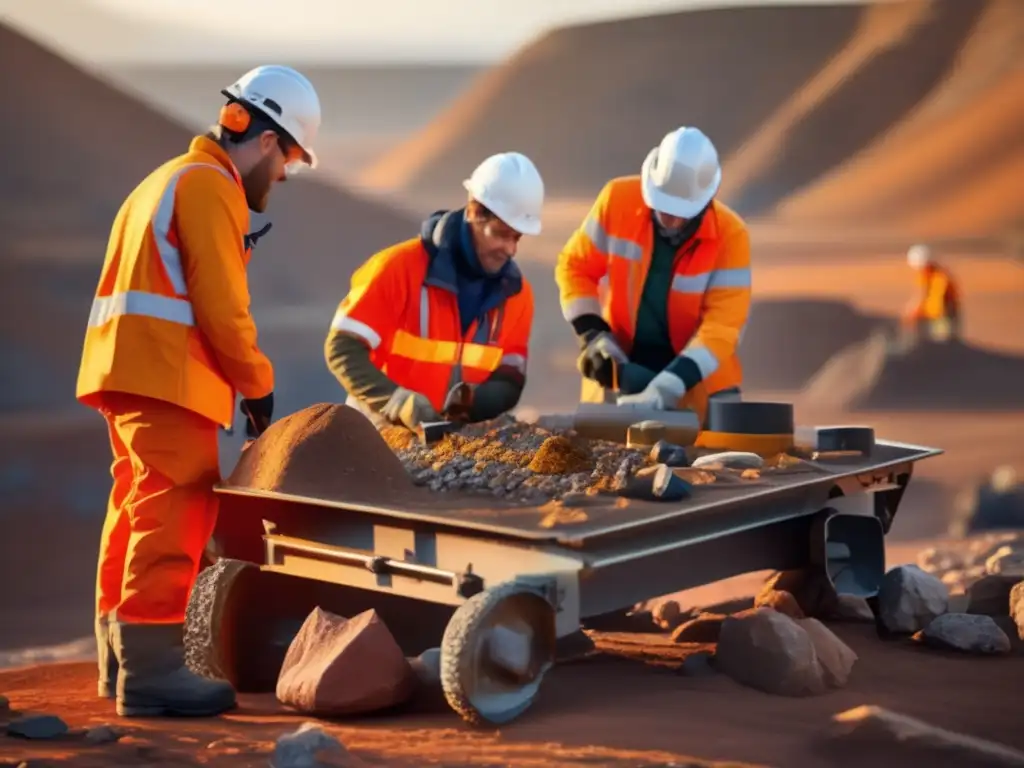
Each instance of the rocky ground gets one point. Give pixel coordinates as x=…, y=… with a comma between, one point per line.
x=794, y=677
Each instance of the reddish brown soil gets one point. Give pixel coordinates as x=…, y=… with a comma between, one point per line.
x=626, y=706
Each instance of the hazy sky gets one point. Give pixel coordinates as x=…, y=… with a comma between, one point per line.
x=105, y=31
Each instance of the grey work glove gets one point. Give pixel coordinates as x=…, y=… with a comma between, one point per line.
x=409, y=409
x=662, y=394
x=600, y=357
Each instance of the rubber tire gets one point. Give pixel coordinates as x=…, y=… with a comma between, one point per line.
x=240, y=621
x=457, y=645
x=208, y=605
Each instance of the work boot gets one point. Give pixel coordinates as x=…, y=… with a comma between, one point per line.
x=106, y=660
x=152, y=679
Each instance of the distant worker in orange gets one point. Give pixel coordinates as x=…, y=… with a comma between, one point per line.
x=170, y=344
x=936, y=308
x=677, y=264
x=438, y=326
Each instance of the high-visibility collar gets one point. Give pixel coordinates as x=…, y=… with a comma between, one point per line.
x=440, y=235
x=208, y=146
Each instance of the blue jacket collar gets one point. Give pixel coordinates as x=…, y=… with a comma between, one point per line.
x=441, y=234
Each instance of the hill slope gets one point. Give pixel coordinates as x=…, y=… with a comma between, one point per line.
x=905, y=114
x=588, y=102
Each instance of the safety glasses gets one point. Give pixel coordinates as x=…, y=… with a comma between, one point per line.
x=294, y=156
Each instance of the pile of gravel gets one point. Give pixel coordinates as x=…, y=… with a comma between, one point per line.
x=513, y=460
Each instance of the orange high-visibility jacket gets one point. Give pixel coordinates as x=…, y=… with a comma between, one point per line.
x=939, y=297
x=171, y=319
x=709, y=299
x=403, y=303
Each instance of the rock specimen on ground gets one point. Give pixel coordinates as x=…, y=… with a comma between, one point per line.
x=990, y=595
x=513, y=460
x=309, y=746
x=857, y=737
x=427, y=667
x=769, y=651
x=909, y=599
x=809, y=586
x=964, y=632
x=339, y=666
x=37, y=727
x=667, y=614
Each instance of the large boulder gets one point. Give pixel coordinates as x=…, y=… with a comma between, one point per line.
x=909, y=599
x=769, y=651
x=835, y=657
x=339, y=666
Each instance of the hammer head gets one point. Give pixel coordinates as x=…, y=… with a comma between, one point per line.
x=433, y=431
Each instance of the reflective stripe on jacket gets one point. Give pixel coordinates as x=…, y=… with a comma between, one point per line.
x=403, y=303
x=709, y=298
x=170, y=319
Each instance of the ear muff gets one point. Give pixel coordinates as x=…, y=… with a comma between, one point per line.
x=234, y=117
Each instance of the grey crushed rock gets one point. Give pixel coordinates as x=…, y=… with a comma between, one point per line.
x=515, y=483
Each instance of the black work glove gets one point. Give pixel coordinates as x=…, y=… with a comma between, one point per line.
x=258, y=414
x=459, y=403
x=600, y=358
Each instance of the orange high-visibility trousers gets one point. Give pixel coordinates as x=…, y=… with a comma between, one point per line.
x=161, y=510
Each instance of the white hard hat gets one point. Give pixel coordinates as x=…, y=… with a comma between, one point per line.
x=286, y=97
x=510, y=185
x=919, y=255
x=682, y=174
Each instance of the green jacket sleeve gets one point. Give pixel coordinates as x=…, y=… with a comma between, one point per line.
x=348, y=359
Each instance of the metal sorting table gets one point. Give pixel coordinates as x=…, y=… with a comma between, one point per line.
x=602, y=558
x=615, y=557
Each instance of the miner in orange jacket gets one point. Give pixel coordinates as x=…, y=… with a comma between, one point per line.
x=936, y=308
x=438, y=326
x=677, y=264
x=169, y=344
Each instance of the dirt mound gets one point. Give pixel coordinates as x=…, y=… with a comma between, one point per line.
x=588, y=102
x=954, y=376
x=326, y=451
x=787, y=341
